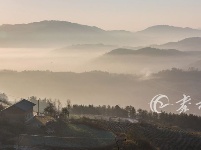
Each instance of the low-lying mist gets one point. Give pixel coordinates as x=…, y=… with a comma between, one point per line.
x=43, y=59
x=121, y=79
x=103, y=88
x=83, y=59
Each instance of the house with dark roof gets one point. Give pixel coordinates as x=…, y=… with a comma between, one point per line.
x=21, y=111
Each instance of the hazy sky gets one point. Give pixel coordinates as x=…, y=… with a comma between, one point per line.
x=107, y=14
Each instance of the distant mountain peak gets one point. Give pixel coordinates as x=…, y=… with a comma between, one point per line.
x=159, y=29
x=167, y=27
x=145, y=51
x=53, y=23
x=187, y=44
x=195, y=39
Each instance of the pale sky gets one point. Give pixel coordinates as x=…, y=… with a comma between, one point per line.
x=130, y=15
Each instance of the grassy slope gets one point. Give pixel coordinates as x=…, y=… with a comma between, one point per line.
x=72, y=135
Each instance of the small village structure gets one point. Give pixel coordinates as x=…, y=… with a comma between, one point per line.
x=21, y=111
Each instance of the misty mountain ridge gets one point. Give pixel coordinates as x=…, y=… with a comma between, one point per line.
x=161, y=33
x=63, y=33
x=103, y=88
x=167, y=29
x=144, y=61
x=58, y=33
x=148, y=51
x=188, y=44
x=50, y=26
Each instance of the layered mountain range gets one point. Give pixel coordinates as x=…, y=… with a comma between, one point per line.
x=63, y=33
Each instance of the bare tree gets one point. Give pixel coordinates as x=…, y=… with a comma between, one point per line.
x=59, y=106
x=68, y=104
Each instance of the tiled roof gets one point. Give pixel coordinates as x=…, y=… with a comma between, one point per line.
x=24, y=105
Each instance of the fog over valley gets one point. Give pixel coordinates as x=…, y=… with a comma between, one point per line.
x=89, y=65
x=100, y=75
x=102, y=88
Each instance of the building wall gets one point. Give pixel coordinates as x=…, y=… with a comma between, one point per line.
x=15, y=114
x=28, y=114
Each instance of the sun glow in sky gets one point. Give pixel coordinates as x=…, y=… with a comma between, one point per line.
x=130, y=15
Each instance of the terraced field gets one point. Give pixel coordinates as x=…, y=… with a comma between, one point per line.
x=97, y=134
x=160, y=137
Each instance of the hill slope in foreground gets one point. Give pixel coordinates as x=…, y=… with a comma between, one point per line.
x=73, y=136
